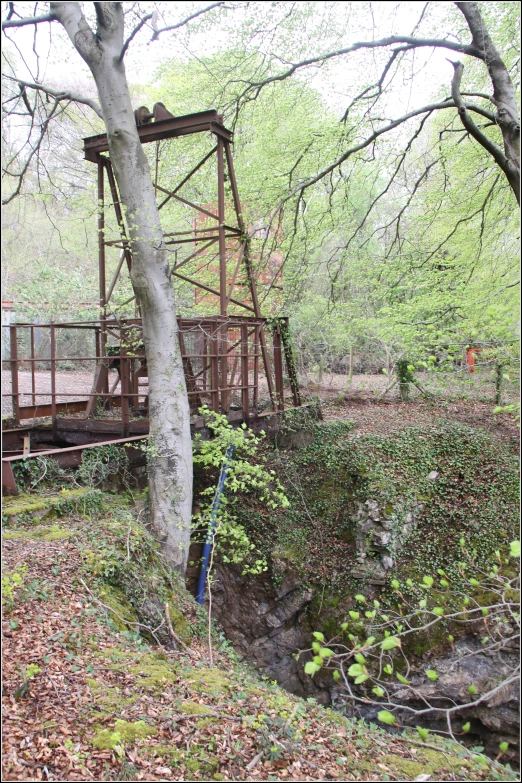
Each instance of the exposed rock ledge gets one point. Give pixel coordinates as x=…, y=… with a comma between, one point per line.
x=269, y=624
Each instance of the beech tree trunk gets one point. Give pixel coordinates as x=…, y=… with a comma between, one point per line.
x=170, y=462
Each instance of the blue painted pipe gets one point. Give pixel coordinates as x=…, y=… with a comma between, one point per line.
x=207, y=546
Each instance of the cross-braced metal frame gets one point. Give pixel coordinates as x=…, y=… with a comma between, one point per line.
x=228, y=361
x=162, y=125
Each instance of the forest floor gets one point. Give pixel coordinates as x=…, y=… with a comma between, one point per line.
x=85, y=701
x=468, y=400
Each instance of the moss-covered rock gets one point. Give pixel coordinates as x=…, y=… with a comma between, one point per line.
x=154, y=670
x=34, y=508
x=54, y=533
x=179, y=620
x=193, y=708
x=123, y=615
x=123, y=732
x=212, y=681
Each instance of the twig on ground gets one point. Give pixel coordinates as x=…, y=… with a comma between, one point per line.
x=54, y=686
x=126, y=622
x=251, y=764
x=388, y=388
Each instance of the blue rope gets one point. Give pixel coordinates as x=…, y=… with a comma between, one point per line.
x=207, y=546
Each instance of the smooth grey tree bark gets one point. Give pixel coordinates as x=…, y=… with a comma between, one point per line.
x=170, y=460
x=503, y=98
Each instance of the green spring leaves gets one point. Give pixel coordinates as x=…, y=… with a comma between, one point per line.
x=386, y=717
x=390, y=643
x=246, y=474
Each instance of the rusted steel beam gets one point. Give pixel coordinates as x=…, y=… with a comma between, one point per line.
x=193, y=255
x=8, y=481
x=40, y=411
x=233, y=183
x=214, y=361
x=60, y=359
x=206, y=362
x=33, y=378
x=244, y=372
x=110, y=322
x=188, y=203
x=12, y=439
x=221, y=230
x=116, y=276
x=195, y=232
x=278, y=368
x=211, y=290
x=117, y=210
x=256, y=367
x=236, y=270
x=124, y=375
x=53, y=378
x=70, y=449
x=189, y=372
x=192, y=240
x=165, y=129
x=101, y=235
x=15, y=396
x=97, y=388
x=189, y=175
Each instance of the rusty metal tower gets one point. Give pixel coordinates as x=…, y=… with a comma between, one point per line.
x=159, y=125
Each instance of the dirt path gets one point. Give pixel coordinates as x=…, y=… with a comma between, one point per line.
x=70, y=386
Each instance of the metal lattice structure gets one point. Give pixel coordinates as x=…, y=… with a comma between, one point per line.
x=235, y=361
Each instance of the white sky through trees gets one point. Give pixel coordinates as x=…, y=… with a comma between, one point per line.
x=427, y=73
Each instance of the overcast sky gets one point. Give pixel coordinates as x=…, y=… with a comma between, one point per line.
x=60, y=65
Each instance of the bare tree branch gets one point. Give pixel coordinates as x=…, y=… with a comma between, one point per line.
x=188, y=19
x=496, y=153
x=481, y=95
x=448, y=104
x=34, y=151
x=60, y=95
x=391, y=40
x=28, y=20
x=131, y=36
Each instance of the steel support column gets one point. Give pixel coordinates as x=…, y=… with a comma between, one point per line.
x=15, y=395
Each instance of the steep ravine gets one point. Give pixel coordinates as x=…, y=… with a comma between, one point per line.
x=369, y=511
x=268, y=624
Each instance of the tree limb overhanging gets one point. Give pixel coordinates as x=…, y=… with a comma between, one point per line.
x=496, y=153
x=133, y=34
x=23, y=22
x=447, y=104
x=481, y=47
x=176, y=26
x=60, y=95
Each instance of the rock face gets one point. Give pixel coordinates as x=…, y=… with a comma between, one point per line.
x=492, y=722
x=266, y=624
x=379, y=534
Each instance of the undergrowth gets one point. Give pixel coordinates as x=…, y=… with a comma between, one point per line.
x=475, y=496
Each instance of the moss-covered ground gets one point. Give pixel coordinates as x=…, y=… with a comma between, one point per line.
x=474, y=496
x=86, y=696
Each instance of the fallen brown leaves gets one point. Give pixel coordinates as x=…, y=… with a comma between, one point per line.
x=203, y=723
x=48, y=731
